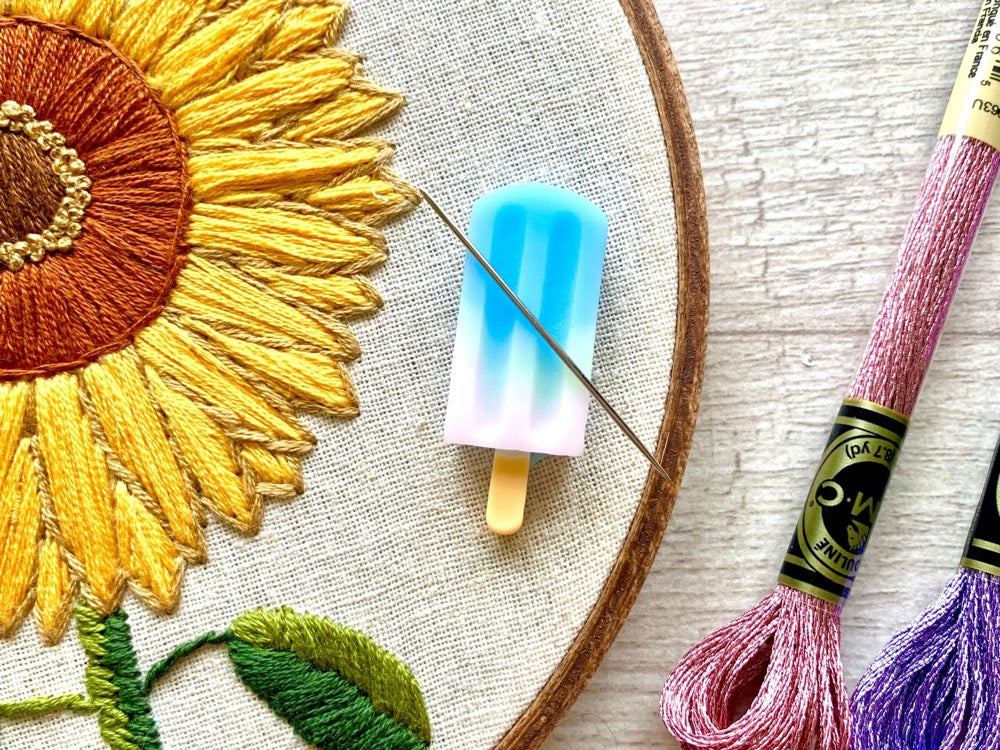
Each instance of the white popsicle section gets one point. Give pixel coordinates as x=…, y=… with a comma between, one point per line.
x=509, y=391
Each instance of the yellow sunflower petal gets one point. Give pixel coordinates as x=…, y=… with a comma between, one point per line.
x=134, y=432
x=20, y=533
x=211, y=56
x=172, y=351
x=93, y=16
x=281, y=169
x=79, y=486
x=340, y=295
x=370, y=199
x=44, y=9
x=315, y=378
x=209, y=454
x=150, y=28
x=285, y=237
x=250, y=107
x=305, y=27
x=209, y=292
x=153, y=563
x=55, y=592
x=274, y=468
x=13, y=401
x=360, y=106
x=47, y=10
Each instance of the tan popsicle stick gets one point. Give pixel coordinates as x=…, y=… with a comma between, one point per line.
x=508, y=488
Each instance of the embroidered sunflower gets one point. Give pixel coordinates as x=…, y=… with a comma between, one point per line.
x=186, y=221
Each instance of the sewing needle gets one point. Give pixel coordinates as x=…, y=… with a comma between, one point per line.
x=553, y=344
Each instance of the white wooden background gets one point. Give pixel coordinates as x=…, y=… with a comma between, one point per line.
x=815, y=122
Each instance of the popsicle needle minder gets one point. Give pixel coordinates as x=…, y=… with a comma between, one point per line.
x=508, y=391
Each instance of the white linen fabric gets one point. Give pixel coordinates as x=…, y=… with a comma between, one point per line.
x=389, y=536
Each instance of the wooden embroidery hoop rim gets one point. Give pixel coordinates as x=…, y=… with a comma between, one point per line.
x=650, y=521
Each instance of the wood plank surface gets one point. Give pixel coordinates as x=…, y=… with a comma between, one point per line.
x=815, y=122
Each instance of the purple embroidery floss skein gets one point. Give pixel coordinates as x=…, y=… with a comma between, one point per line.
x=782, y=658
x=936, y=684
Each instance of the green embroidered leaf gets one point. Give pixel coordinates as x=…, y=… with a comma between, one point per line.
x=334, y=685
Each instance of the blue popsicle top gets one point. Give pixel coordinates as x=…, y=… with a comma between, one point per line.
x=548, y=244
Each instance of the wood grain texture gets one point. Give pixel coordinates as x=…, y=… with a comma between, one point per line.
x=815, y=122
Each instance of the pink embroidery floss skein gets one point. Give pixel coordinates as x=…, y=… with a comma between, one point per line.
x=935, y=686
x=782, y=658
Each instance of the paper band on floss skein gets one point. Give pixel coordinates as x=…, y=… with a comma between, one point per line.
x=782, y=658
x=974, y=107
x=844, y=501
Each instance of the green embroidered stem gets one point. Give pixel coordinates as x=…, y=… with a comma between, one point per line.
x=159, y=669
x=112, y=679
x=337, y=688
x=47, y=704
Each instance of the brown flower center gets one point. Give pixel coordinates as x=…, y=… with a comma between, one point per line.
x=31, y=189
x=102, y=169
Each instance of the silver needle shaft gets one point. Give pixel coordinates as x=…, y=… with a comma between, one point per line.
x=553, y=344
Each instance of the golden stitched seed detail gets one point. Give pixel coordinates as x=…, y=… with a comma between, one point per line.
x=67, y=224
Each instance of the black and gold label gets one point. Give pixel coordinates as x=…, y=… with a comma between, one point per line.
x=982, y=551
x=844, y=500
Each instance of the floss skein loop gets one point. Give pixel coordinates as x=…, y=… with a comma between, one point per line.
x=935, y=685
x=782, y=658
